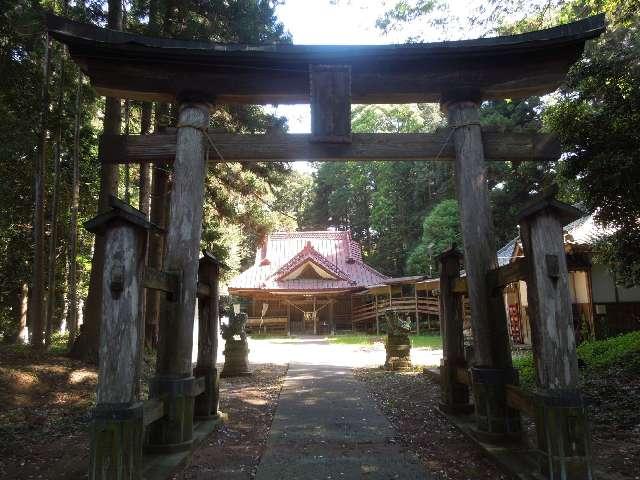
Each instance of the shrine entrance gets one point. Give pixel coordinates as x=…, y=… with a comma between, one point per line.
x=457, y=75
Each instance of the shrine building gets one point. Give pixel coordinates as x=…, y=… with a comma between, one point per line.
x=303, y=282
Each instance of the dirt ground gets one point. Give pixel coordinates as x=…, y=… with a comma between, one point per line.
x=45, y=404
x=410, y=399
x=44, y=415
x=234, y=451
x=612, y=402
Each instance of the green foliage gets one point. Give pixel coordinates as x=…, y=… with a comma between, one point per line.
x=595, y=115
x=621, y=353
x=243, y=202
x=382, y=203
x=526, y=369
x=432, y=342
x=441, y=229
x=596, y=119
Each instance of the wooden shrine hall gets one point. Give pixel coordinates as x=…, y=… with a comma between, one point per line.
x=459, y=75
x=303, y=282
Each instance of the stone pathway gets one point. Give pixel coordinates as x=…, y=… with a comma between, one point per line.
x=327, y=427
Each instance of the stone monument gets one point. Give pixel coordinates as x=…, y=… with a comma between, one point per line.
x=236, y=349
x=398, y=344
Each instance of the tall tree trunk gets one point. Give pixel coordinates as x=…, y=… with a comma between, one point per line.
x=53, y=238
x=88, y=342
x=37, y=289
x=23, y=333
x=127, y=169
x=72, y=312
x=159, y=207
x=144, y=200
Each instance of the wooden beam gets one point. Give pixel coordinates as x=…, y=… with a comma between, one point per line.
x=125, y=65
x=198, y=386
x=498, y=146
x=509, y=273
x=463, y=376
x=183, y=241
x=159, y=280
x=203, y=290
x=516, y=397
x=459, y=285
x=152, y=410
x=330, y=87
x=520, y=400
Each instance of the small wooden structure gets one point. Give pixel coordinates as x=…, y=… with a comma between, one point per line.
x=458, y=75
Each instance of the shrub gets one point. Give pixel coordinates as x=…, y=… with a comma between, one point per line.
x=622, y=351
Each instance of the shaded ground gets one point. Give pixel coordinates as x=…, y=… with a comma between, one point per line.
x=234, y=451
x=44, y=415
x=409, y=400
x=612, y=397
x=45, y=403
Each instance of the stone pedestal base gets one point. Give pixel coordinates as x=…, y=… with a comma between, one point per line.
x=563, y=437
x=206, y=404
x=495, y=421
x=174, y=431
x=236, y=359
x=455, y=395
x=116, y=442
x=398, y=349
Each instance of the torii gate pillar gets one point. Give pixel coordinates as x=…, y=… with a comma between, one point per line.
x=174, y=373
x=492, y=367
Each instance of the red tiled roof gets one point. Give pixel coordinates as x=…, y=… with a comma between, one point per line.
x=283, y=252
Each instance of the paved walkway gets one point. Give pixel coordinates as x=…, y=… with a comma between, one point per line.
x=327, y=427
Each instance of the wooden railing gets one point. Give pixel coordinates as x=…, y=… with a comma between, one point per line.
x=267, y=324
x=154, y=409
x=427, y=305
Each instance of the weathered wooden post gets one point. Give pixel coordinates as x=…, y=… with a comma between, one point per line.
x=455, y=395
x=206, y=404
x=492, y=368
x=561, y=419
x=174, y=381
x=117, y=429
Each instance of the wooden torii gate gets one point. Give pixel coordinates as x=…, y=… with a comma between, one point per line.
x=198, y=75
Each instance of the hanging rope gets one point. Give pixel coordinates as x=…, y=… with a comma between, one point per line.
x=451, y=132
x=205, y=131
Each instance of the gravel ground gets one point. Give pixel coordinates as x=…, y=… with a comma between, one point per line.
x=409, y=400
